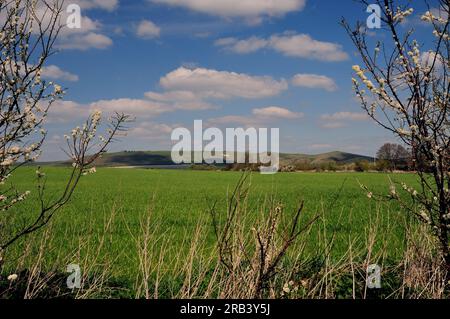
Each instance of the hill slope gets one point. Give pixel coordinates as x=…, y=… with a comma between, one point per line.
x=163, y=158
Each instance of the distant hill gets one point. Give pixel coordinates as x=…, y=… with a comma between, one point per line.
x=163, y=158
x=337, y=157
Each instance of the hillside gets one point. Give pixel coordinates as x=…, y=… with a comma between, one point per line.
x=163, y=158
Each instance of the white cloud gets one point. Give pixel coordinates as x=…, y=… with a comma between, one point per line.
x=85, y=42
x=303, y=46
x=339, y=119
x=276, y=112
x=252, y=9
x=152, y=131
x=235, y=121
x=87, y=26
x=289, y=44
x=208, y=83
x=87, y=37
x=261, y=117
x=134, y=107
x=193, y=88
x=108, y=5
x=314, y=81
x=249, y=45
x=55, y=73
x=68, y=111
x=182, y=100
x=346, y=116
x=148, y=30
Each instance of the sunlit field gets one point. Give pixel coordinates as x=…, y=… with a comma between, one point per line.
x=108, y=208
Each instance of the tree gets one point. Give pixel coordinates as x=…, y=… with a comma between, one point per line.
x=394, y=155
x=362, y=166
x=405, y=89
x=28, y=31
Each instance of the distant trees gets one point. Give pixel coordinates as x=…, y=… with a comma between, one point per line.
x=392, y=157
x=362, y=166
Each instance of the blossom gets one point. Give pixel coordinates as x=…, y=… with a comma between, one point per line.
x=356, y=68
x=14, y=150
x=58, y=89
x=403, y=132
x=392, y=191
x=12, y=277
x=424, y=215
x=7, y=162
x=427, y=17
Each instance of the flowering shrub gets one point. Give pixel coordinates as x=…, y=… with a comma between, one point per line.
x=25, y=99
x=405, y=88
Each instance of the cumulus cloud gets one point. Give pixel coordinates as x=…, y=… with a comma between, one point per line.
x=339, y=119
x=153, y=131
x=136, y=107
x=89, y=36
x=249, y=9
x=53, y=72
x=289, y=44
x=194, y=88
x=234, y=121
x=185, y=89
x=261, y=117
x=249, y=45
x=68, y=111
x=303, y=46
x=108, y=5
x=208, y=83
x=314, y=81
x=182, y=100
x=148, y=30
x=276, y=112
x=346, y=116
x=85, y=42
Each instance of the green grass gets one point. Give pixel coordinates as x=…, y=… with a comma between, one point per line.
x=180, y=198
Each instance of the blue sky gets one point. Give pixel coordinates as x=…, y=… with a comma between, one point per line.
x=229, y=63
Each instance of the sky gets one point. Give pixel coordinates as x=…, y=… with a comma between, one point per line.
x=285, y=64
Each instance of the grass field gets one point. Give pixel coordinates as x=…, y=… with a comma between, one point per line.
x=180, y=200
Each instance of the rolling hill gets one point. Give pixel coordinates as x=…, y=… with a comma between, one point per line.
x=163, y=158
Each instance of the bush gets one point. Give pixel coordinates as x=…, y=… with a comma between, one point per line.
x=362, y=166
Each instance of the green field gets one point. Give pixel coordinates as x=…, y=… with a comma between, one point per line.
x=180, y=200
